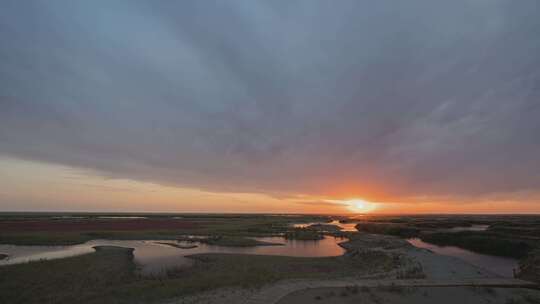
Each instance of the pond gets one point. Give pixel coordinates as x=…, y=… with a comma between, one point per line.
x=498, y=265
x=154, y=258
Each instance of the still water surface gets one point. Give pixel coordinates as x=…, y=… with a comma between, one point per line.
x=154, y=258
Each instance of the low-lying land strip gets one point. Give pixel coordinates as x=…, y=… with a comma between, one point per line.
x=228, y=241
x=25, y=230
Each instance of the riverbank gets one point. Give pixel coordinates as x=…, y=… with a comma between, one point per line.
x=419, y=268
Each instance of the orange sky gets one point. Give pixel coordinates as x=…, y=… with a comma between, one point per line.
x=31, y=186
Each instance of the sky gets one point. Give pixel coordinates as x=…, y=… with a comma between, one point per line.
x=416, y=106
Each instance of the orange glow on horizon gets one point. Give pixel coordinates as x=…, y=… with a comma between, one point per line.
x=359, y=205
x=32, y=186
x=356, y=205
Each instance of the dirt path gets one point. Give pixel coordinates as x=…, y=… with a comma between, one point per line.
x=273, y=294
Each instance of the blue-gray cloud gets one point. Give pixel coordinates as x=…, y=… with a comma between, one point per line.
x=420, y=97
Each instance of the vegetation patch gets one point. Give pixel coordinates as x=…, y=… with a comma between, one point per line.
x=109, y=276
x=235, y=241
x=304, y=234
x=324, y=227
x=177, y=245
x=82, y=279
x=27, y=229
x=481, y=242
x=400, y=230
x=95, y=224
x=57, y=238
x=529, y=268
x=507, y=236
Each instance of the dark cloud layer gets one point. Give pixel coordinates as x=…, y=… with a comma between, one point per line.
x=421, y=98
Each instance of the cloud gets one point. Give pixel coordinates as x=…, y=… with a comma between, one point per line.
x=400, y=100
x=323, y=203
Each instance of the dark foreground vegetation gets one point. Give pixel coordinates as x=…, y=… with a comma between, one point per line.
x=530, y=266
x=67, y=280
x=109, y=276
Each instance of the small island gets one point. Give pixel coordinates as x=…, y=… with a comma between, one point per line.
x=178, y=245
x=228, y=241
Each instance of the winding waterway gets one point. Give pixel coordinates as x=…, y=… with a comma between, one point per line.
x=154, y=258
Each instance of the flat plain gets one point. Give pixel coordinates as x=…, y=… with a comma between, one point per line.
x=378, y=265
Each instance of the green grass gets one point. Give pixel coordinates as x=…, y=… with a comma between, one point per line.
x=108, y=276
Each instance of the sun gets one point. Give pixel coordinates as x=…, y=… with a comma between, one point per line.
x=360, y=205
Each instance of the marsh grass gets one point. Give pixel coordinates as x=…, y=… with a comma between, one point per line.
x=529, y=268
x=67, y=280
x=482, y=242
x=506, y=236
x=55, y=238
x=305, y=234
x=203, y=225
x=234, y=241
x=395, y=229
x=109, y=276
